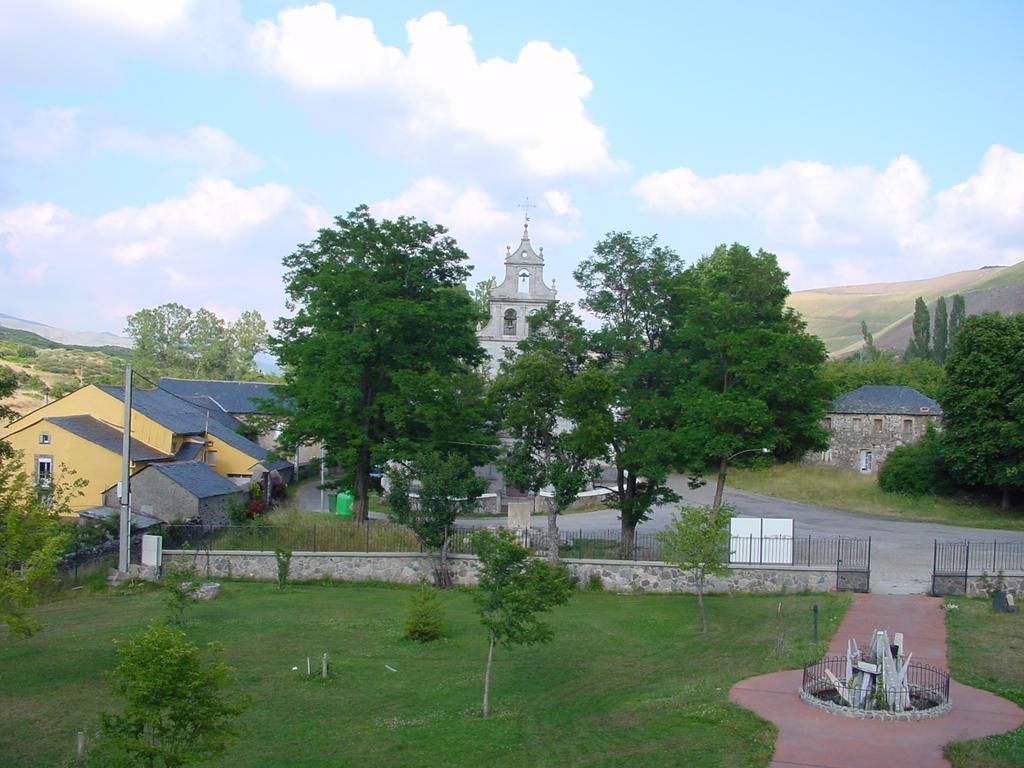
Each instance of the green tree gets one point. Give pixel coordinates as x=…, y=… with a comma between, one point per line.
x=747, y=373
x=626, y=284
x=446, y=487
x=983, y=403
x=379, y=353
x=869, y=352
x=180, y=581
x=940, y=336
x=247, y=337
x=31, y=539
x=425, y=622
x=512, y=589
x=547, y=409
x=918, y=468
x=177, y=709
x=207, y=346
x=482, y=297
x=697, y=540
x=8, y=385
x=920, y=343
x=957, y=315
x=848, y=374
x=160, y=339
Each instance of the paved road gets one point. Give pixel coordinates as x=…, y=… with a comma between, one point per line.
x=901, y=552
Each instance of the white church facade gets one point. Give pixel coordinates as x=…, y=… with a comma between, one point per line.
x=522, y=293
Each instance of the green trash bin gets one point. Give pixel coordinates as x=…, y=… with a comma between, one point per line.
x=343, y=506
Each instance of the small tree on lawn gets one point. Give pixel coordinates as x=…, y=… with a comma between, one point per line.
x=513, y=589
x=180, y=582
x=447, y=486
x=176, y=708
x=697, y=540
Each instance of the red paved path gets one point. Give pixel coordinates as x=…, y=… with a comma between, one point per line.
x=809, y=738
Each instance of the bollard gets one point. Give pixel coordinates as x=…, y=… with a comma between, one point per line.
x=814, y=609
x=80, y=746
x=323, y=666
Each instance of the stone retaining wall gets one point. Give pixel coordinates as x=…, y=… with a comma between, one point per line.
x=615, y=575
x=954, y=585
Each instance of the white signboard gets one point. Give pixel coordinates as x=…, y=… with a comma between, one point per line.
x=152, y=550
x=761, y=540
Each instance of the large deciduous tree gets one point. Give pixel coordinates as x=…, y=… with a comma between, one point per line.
x=625, y=283
x=551, y=406
x=8, y=385
x=379, y=353
x=983, y=403
x=940, y=336
x=172, y=340
x=748, y=375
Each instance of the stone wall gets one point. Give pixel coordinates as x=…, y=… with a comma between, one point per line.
x=975, y=586
x=879, y=433
x=408, y=568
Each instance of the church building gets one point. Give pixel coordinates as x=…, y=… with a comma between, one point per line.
x=522, y=293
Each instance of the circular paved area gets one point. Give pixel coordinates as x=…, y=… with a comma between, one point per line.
x=809, y=738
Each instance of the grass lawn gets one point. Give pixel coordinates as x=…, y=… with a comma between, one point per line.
x=628, y=679
x=985, y=651
x=854, y=492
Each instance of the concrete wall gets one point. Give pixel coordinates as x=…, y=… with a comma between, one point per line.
x=878, y=433
x=407, y=568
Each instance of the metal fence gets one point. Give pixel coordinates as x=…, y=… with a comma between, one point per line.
x=953, y=562
x=925, y=686
x=377, y=536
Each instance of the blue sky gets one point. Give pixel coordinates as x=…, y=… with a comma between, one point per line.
x=176, y=151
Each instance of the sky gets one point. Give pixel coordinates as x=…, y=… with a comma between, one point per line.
x=179, y=150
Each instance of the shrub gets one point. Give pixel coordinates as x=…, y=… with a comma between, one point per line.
x=254, y=508
x=426, y=616
x=237, y=512
x=917, y=469
x=180, y=582
x=24, y=350
x=284, y=563
x=278, y=491
x=594, y=583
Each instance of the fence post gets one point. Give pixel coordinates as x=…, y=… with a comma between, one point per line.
x=808, y=550
x=314, y=537
x=967, y=563
x=995, y=546
x=366, y=525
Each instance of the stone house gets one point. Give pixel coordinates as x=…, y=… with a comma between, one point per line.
x=181, y=490
x=869, y=422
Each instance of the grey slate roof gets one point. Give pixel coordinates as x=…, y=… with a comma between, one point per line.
x=185, y=418
x=105, y=436
x=196, y=478
x=883, y=398
x=232, y=396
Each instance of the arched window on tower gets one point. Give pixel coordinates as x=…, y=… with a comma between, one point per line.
x=510, y=322
x=524, y=281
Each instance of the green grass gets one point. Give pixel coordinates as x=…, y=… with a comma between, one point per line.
x=854, y=492
x=985, y=651
x=628, y=679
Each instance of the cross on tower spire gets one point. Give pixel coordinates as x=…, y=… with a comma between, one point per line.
x=526, y=206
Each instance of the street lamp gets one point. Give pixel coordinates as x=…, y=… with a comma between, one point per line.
x=723, y=466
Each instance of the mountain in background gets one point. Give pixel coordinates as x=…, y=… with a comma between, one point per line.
x=65, y=337
x=835, y=314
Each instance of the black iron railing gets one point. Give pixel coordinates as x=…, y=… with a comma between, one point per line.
x=925, y=686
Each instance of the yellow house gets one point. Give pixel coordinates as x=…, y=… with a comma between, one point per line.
x=83, y=431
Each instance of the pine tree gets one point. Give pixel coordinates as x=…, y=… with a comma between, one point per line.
x=940, y=337
x=957, y=315
x=920, y=343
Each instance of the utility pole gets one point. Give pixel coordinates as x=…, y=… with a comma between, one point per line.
x=125, y=528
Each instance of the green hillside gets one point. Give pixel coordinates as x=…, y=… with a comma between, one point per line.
x=835, y=314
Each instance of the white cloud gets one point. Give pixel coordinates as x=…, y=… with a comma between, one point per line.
x=45, y=134
x=531, y=108
x=137, y=17
x=859, y=223
x=218, y=242
x=209, y=148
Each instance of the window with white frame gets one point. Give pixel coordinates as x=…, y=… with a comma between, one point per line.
x=44, y=471
x=44, y=438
